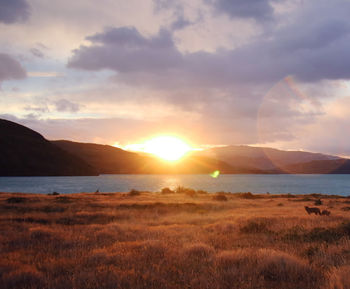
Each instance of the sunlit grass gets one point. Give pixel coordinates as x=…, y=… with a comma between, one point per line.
x=179, y=238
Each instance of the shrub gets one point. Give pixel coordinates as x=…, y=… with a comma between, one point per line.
x=166, y=191
x=287, y=271
x=318, y=202
x=220, y=197
x=247, y=195
x=264, y=269
x=16, y=200
x=41, y=235
x=53, y=194
x=323, y=235
x=133, y=193
x=255, y=226
x=186, y=191
x=64, y=199
x=202, y=192
x=25, y=277
x=326, y=234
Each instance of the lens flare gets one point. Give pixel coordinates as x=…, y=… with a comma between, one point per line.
x=215, y=174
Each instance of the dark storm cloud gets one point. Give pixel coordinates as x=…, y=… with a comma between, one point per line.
x=259, y=10
x=12, y=11
x=10, y=68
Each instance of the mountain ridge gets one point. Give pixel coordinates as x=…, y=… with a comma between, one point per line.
x=263, y=158
x=26, y=152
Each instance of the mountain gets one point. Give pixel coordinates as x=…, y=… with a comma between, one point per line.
x=25, y=152
x=104, y=158
x=339, y=166
x=267, y=159
x=111, y=160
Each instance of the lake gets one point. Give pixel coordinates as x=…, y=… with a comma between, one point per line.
x=274, y=184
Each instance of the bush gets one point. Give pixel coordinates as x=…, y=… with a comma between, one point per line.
x=16, y=200
x=25, y=277
x=249, y=195
x=255, y=226
x=186, y=191
x=53, y=194
x=285, y=270
x=220, y=197
x=318, y=202
x=64, y=199
x=264, y=269
x=166, y=191
x=202, y=192
x=134, y=193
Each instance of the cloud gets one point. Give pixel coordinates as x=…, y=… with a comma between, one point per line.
x=242, y=94
x=180, y=21
x=10, y=68
x=260, y=10
x=126, y=50
x=64, y=105
x=214, y=68
x=310, y=52
x=13, y=11
x=38, y=109
x=37, y=52
x=45, y=74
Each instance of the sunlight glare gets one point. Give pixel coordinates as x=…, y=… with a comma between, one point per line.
x=168, y=148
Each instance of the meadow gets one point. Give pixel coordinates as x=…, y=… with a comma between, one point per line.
x=173, y=239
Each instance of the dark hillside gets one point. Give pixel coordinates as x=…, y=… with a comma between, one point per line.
x=25, y=152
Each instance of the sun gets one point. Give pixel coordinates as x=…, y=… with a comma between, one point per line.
x=168, y=148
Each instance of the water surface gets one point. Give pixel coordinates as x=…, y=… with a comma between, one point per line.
x=274, y=184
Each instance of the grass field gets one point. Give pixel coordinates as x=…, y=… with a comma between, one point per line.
x=186, y=239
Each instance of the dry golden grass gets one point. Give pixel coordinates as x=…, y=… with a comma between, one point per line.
x=173, y=239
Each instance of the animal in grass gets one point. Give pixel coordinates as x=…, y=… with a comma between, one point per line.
x=309, y=210
x=325, y=213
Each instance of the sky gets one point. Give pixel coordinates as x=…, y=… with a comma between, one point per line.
x=213, y=72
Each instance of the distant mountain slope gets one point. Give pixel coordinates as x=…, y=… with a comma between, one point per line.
x=106, y=159
x=262, y=158
x=25, y=152
x=111, y=160
x=340, y=166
